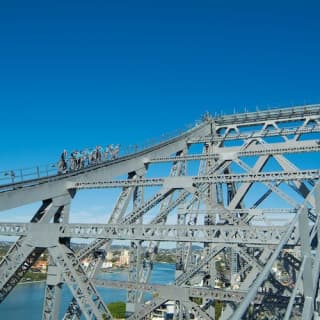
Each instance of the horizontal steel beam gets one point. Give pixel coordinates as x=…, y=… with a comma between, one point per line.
x=254, y=211
x=254, y=134
x=256, y=150
x=177, y=291
x=283, y=114
x=172, y=233
x=171, y=292
x=224, y=178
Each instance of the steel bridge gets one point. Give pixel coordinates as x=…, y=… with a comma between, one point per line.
x=237, y=195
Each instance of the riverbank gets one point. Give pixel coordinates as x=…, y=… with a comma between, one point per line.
x=26, y=301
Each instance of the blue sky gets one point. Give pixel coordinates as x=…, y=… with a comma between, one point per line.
x=82, y=73
x=79, y=73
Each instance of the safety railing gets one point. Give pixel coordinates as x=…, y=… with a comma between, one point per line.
x=12, y=176
x=24, y=174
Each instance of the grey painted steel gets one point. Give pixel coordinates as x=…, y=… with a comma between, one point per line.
x=185, y=182
x=31, y=191
x=256, y=150
x=210, y=207
x=22, y=254
x=53, y=290
x=262, y=276
x=300, y=219
x=74, y=310
x=215, y=234
x=294, y=293
x=263, y=133
x=267, y=115
x=79, y=284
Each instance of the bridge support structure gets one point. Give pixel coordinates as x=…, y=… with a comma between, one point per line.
x=237, y=196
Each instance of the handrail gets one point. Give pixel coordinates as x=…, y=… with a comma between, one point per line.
x=12, y=176
x=19, y=177
x=271, y=114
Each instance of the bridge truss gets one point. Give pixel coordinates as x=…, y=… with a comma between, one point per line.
x=237, y=195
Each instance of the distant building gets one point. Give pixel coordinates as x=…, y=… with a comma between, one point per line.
x=124, y=258
x=40, y=265
x=106, y=265
x=85, y=262
x=109, y=256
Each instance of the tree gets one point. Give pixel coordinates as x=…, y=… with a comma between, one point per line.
x=117, y=309
x=218, y=309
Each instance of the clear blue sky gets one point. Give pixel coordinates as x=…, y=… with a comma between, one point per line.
x=83, y=73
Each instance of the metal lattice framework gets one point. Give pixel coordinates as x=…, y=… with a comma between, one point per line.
x=244, y=188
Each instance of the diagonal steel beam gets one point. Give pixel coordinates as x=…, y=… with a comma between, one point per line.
x=22, y=255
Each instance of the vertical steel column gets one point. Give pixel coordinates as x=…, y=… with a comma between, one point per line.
x=316, y=272
x=52, y=299
x=307, y=270
x=53, y=290
x=135, y=252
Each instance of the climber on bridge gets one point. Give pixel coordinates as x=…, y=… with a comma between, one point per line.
x=111, y=151
x=98, y=153
x=206, y=116
x=114, y=151
x=106, y=153
x=81, y=159
x=73, y=161
x=62, y=164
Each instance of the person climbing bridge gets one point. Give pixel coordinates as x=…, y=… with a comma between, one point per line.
x=62, y=164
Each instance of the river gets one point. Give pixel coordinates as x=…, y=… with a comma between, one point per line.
x=26, y=300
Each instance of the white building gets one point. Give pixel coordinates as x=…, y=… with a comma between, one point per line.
x=124, y=257
x=106, y=265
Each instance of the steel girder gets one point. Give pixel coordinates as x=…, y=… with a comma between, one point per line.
x=144, y=232
x=182, y=182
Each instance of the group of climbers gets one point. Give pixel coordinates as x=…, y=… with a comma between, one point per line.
x=81, y=159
